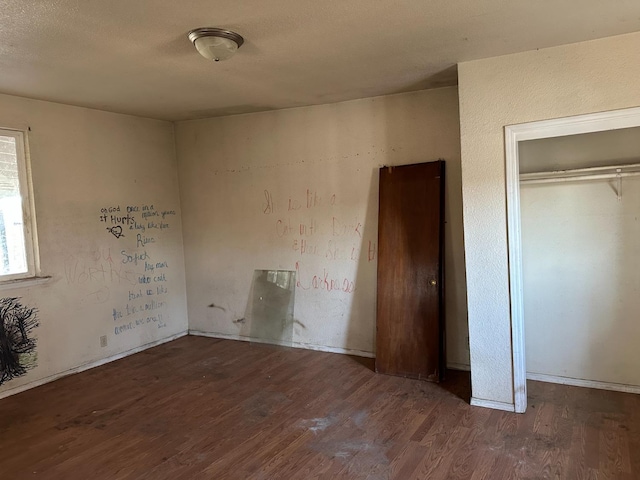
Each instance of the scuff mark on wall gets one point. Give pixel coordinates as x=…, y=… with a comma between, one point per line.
x=213, y=305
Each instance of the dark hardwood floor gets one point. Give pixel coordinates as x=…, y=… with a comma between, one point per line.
x=200, y=408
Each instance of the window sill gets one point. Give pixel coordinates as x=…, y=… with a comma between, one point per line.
x=24, y=282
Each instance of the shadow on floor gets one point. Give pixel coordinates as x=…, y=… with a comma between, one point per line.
x=368, y=363
x=457, y=382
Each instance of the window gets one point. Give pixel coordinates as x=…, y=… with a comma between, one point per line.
x=17, y=259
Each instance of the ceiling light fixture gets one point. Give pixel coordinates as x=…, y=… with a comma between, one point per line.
x=215, y=43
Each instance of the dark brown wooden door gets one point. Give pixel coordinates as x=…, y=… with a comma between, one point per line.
x=410, y=310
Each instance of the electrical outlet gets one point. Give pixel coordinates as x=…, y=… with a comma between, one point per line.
x=103, y=341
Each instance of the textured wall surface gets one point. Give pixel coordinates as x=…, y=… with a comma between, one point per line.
x=109, y=231
x=298, y=190
x=549, y=83
x=581, y=279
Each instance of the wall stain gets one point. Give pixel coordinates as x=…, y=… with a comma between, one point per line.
x=213, y=305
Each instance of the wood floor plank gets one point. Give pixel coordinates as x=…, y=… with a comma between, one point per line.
x=201, y=408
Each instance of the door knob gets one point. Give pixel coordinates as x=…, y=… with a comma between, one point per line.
x=433, y=283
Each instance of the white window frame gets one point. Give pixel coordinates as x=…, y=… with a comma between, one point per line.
x=28, y=213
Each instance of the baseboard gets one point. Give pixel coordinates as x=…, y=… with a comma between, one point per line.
x=459, y=366
x=87, y=366
x=578, y=382
x=307, y=346
x=507, y=407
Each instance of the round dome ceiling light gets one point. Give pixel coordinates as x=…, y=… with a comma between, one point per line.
x=215, y=43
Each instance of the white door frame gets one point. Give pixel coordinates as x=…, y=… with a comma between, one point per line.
x=594, y=122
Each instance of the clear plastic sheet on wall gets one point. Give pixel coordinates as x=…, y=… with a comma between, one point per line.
x=270, y=307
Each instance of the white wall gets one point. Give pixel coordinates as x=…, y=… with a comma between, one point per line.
x=595, y=149
x=242, y=179
x=580, y=257
x=581, y=280
x=83, y=161
x=549, y=83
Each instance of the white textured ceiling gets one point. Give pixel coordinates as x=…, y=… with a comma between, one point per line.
x=133, y=56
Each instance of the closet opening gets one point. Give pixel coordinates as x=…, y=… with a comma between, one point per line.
x=573, y=210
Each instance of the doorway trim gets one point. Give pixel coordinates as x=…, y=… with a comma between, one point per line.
x=560, y=127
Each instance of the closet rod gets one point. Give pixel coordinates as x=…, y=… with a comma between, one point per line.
x=582, y=178
x=582, y=174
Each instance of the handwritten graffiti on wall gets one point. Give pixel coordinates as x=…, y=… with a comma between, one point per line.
x=17, y=343
x=312, y=225
x=140, y=265
x=138, y=218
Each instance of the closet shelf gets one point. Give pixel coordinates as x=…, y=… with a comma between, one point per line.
x=582, y=174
